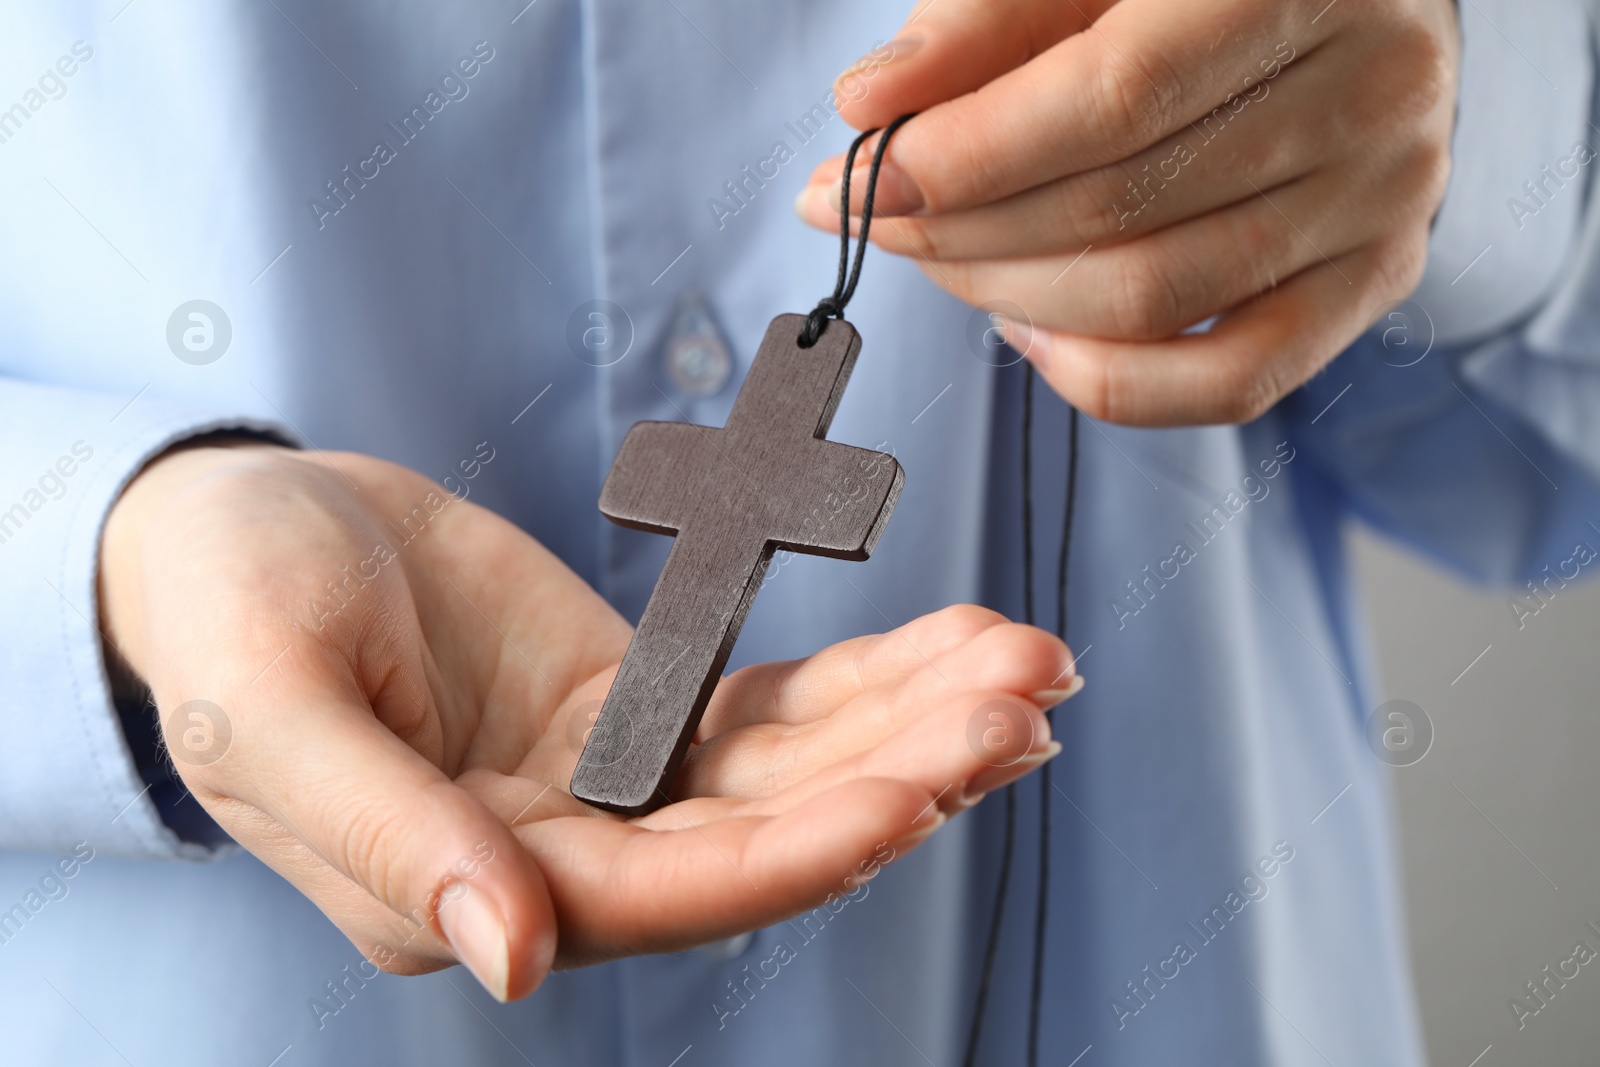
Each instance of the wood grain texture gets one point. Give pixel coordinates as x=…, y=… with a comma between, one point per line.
x=731, y=497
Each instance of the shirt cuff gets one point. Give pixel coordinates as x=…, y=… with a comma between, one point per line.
x=67, y=772
x=1511, y=215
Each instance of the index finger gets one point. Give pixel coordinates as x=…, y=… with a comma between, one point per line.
x=1137, y=75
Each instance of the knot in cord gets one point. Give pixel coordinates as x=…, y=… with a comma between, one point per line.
x=844, y=287
x=817, y=320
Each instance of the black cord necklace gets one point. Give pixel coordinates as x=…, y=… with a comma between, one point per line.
x=844, y=288
x=832, y=306
x=1042, y=914
x=1008, y=841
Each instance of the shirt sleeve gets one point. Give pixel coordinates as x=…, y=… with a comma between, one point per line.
x=1548, y=372
x=67, y=773
x=1467, y=421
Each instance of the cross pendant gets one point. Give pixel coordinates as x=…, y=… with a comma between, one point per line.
x=731, y=497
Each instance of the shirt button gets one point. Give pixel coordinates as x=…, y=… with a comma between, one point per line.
x=697, y=358
x=729, y=948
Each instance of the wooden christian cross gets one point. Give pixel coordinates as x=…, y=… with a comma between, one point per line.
x=766, y=481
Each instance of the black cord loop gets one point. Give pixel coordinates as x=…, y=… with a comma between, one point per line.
x=832, y=306
x=844, y=287
x=1041, y=917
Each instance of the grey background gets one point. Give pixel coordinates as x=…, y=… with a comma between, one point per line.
x=1500, y=822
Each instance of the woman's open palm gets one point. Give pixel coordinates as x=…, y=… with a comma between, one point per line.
x=407, y=681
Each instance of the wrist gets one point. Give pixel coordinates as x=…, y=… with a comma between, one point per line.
x=135, y=514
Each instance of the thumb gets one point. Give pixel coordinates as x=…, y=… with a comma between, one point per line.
x=308, y=752
x=948, y=48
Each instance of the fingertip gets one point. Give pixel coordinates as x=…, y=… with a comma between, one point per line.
x=903, y=47
x=828, y=171
x=539, y=961
x=923, y=829
x=1008, y=759
x=1074, y=366
x=531, y=937
x=494, y=909
x=1018, y=657
x=477, y=932
x=1027, y=342
x=812, y=208
x=1058, y=693
x=950, y=627
x=877, y=807
x=896, y=193
x=505, y=939
x=865, y=91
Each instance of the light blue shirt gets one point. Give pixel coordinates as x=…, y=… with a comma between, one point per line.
x=1217, y=790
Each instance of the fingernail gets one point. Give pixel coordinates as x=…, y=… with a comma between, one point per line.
x=991, y=778
x=884, y=54
x=896, y=193
x=473, y=926
x=1019, y=335
x=901, y=47
x=930, y=820
x=1049, y=698
x=805, y=199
